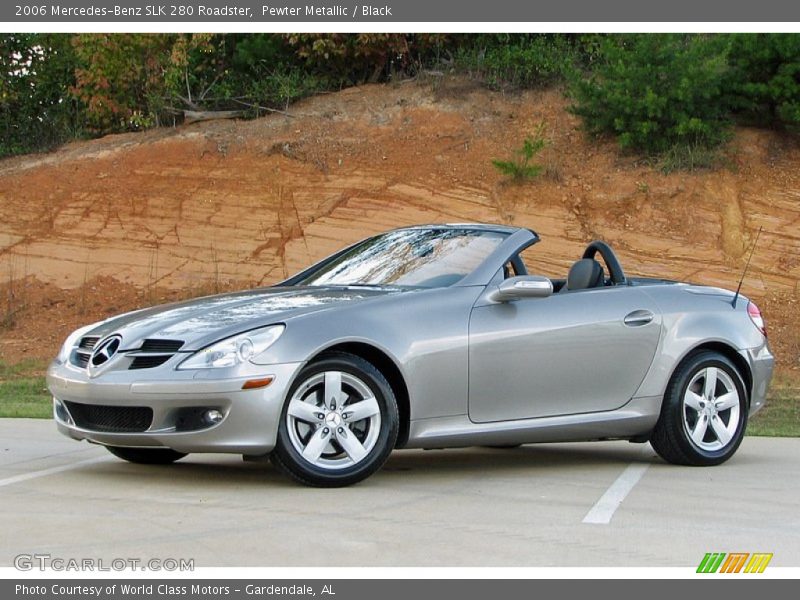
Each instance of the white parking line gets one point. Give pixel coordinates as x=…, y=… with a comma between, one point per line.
x=51, y=471
x=608, y=503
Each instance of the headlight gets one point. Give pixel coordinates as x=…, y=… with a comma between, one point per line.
x=234, y=350
x=72, y=341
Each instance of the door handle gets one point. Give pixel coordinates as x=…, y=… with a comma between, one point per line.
x=638, y=318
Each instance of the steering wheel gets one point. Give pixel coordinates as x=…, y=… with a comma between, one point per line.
x=614, y=268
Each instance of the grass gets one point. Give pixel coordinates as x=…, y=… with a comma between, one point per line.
x=25, y=397
x=23, y=394
x=780, y=417
x=689, y=158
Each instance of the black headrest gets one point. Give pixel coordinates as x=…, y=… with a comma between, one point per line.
x=585, y=273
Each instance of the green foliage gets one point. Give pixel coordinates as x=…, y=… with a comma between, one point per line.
x=656, y=92
x=271, y=74
x=36, y=110
x=520, y=167
x=509, y=60
x=118, y=76
x=669, y=96
x=258, y=53
x=348, y=59
x=284, y=86
x=764, y=83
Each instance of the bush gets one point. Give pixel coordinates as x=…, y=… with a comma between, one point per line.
x=668, y=96
x=764, y=81
x=505, y=61
x=270, y=73
x=656, y=92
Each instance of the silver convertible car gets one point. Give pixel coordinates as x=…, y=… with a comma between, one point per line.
x=424, y=337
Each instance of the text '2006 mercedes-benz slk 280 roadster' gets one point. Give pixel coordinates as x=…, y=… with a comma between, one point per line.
x=423, y=337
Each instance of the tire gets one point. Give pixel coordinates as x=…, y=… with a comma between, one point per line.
x=146, y=456
x=328, y=445
x=693, y=431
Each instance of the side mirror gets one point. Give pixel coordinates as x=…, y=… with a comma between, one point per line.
x=524, y=286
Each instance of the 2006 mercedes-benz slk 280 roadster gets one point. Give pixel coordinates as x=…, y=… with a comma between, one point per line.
x=423, y=337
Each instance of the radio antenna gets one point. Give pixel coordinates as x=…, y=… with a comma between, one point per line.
x=752, y=250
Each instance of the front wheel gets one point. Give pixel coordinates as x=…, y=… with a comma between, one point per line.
x=704, y=414
x=339, y=424
x=146, y=456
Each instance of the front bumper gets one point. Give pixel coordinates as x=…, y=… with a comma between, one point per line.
x=250, y=417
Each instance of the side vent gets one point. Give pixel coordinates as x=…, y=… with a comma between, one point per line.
x=154, y=353
x=161, y=345
x=80, y=355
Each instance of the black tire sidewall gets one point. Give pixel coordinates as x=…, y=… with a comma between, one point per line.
x=678, y=388
x=288, y=457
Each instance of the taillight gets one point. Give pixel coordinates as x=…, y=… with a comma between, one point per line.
x=756, y=318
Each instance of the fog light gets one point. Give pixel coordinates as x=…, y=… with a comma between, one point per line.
x=212, y=417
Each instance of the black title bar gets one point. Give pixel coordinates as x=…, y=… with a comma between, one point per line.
x=460, y=11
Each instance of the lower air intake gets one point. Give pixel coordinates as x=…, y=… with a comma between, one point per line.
x=119, y=419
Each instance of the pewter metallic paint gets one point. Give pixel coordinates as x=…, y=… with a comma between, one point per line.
x=561, y=368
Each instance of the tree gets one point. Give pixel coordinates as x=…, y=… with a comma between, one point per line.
x=655, y=92
x=120, y=78
x=36, y=110
x=764, y=83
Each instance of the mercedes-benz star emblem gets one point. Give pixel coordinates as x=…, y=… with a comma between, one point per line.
x=105, y=350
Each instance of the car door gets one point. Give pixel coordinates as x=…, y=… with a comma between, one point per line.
x=576, y=352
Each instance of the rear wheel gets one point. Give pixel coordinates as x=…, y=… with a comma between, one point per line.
x=146, y=456
x=339, y=424
x=704, y=414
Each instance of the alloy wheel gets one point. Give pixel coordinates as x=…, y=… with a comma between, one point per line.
x=711, y=409
x=333, y=420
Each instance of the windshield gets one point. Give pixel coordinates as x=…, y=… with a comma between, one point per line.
x=410, y=257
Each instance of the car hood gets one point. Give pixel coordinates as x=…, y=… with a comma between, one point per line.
x=202, y=321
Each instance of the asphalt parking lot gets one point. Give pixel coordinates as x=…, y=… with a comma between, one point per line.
x=598, y=504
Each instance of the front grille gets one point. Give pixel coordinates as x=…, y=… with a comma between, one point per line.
x=161, y=345
x=148, y=362
x=79, y=359
x=122, y=419
x=88, y=343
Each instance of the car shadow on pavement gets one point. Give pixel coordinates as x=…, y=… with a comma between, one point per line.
x=226, y=470
x=533, y=458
